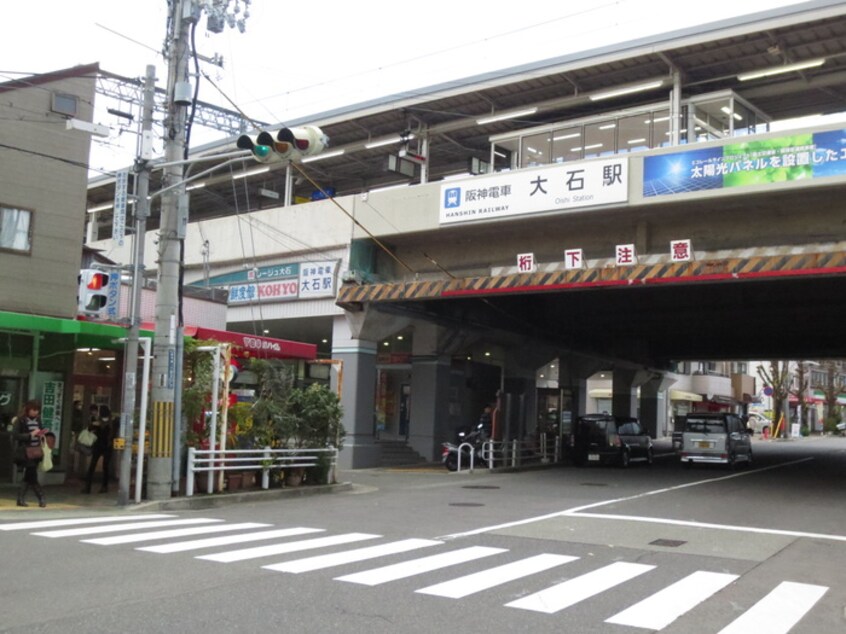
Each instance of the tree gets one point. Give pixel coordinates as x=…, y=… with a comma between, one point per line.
x=799, y=388
x=315, y=417
x=273, y=385
x=777, y=376
x=833, y=384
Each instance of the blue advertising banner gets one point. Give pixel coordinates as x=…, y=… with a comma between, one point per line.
x=752, y=162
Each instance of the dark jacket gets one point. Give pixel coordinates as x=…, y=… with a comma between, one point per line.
x=23, y=431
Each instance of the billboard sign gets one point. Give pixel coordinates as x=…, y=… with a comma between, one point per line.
x=528, y=191
x=753, y=162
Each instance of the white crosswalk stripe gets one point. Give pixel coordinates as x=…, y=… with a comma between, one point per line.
x=350, y=556
x=779, y=611
x=34, y=525
x=492, y=577
x=289, y=547
x=419, y=566
x=570, y=592
x=776, y=613
x=175, y=532
x=228, y=540
x=115, y=528
x=664, y=607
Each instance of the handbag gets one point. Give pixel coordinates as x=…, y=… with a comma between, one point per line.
x=34, y=453
x=47, y=461
x=86, y=438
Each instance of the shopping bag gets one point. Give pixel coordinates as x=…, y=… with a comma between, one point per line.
x=86, y=438
x=47, y=461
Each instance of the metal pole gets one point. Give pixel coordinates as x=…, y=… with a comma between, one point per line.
x=169, y=256
x=146, y=343
x=176, y=464
x=213, y=423
x=142, y=212
x=224, y=427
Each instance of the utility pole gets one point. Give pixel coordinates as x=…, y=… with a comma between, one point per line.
x=169, y=256
x=184, y=14
x=142, y=212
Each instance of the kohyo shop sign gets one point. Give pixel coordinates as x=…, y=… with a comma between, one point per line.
x=570, y=186
x=263, y=291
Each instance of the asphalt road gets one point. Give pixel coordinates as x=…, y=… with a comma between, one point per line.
x=664, y=548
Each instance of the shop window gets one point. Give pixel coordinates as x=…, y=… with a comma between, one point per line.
x=15, y=229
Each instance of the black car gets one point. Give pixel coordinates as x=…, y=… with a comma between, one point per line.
x=605, y=439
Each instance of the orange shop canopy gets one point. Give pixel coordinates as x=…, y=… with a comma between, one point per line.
x=256, y=346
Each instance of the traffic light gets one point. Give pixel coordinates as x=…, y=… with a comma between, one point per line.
x=289, y=144
x=99, y=293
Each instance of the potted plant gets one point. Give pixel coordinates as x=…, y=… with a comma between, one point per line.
x=313, y=421
x=269, y=421
x=239, y=435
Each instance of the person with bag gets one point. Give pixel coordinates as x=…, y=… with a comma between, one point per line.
x=102, y=429
x=28, y=433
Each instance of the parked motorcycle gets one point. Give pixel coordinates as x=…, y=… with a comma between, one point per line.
x=449, y=451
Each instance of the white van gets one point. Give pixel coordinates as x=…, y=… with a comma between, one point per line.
x=714, y=437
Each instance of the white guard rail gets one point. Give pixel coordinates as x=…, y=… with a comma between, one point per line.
x=212, y=461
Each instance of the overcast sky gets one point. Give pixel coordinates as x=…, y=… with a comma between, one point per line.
x=301, y=58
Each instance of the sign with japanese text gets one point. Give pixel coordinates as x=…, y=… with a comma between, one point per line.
x=790, y=158
x=51, y=406
x=313, y=280
x=257, y=274
x=119, y=212
x=574, y=259
x=681, y=251
x=317, y=279
x=559, y=187
x=526, y=263
x=625, y=255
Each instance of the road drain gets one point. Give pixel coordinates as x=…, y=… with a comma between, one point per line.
x=479, y=486
x=669, y=543
x=593, y=484
x=465, y=504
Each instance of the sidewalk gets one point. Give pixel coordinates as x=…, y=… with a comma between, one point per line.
x=68, y=497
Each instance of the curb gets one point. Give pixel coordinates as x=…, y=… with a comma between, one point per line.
x=215, y=500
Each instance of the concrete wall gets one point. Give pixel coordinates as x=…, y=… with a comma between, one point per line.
x=53, y=187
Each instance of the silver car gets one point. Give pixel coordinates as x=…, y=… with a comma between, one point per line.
x=715, y=437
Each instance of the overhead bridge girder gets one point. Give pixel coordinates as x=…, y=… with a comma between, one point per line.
x=814, y=261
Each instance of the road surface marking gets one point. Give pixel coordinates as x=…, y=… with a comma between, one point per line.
x=289, y=547
x=114, y=528
x=227, y=540
x=579, y=510
x=470, y=584
x=176, y=532
x=721, y=527
x=779, y=611
x=563, y=595
x=664, y=607
x=359, y=554
x=25, y=526
x=419, y=566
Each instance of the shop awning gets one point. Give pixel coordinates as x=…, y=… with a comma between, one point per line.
x=255, y=346
x=675, y=395
x=88, y=333
x=681, y=395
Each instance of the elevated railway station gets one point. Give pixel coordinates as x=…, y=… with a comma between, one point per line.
x=620, y=209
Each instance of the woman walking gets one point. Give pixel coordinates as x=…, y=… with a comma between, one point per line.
x=28, y=433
